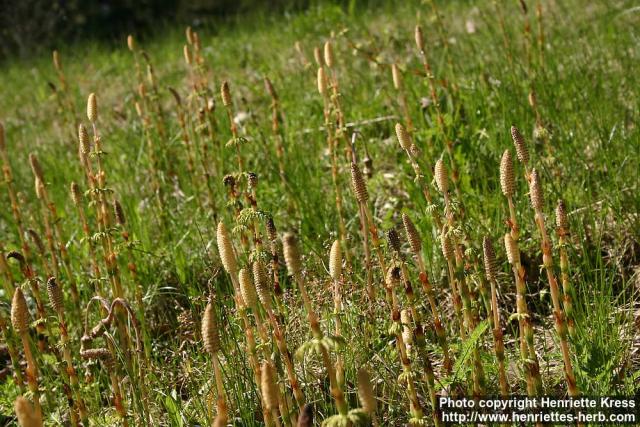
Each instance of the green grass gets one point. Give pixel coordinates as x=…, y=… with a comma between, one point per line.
x=587, y=95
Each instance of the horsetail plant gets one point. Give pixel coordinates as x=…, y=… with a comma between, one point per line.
x=319, y=343
x=20, y=322
x=10, y=339
x=406, y=143
x=436, y=103
x=250, y=298
x=507, y=184
x=398, y=84
x=392, y=281
x=31, y=278
x=332, y=144
x=447, y=252
x=41, y=195
x=133, y=48
x=155, y=97
x=98, y=182
x=335, y=271
x=152, y=150
x=366, y=395
x=562, y=224
x=527, y=341
x=230, y=264
x=270, y=390
x=13, y=198
x=418, y=329
x=236, y=140
x=490, y=269
x=277, y=120
x=415, y=242
x=78, y=200
x=51, y=216
x=469, y=313
x=187, y=143
x=64, y=97
x=362, y=197
x=56, y=300
x=264, y=295
x=211, y=339
x=537, y=202
x=121, y=221
x=332, y=78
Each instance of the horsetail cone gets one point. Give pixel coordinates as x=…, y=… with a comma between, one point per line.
x=75, y=192
x=56, y=61
x=396, y=76
x=403, y=137
x=138, y=108
x=393, y=275
x=446, y=246
x=335, y=260
x=247, y=288
x=131, y=43
x=189, y=34
x=261, y=280
x=440, y=175
x=55, y=295
x=83, y=139
x=291, y=254
x=210, y=333
x=270, y=89
x=225, y=248
x=521, y=147
x=317, y=55
x=511, y=247
x=365, y=392
x=92, y=108
x=196, y=40
x=118, y=212
x=329, y=58
x=225, y=94
x=271, y=229
x=412, y=234
x=507, y=180
x=322, y=81
x=394, y=241
x=151, y=77
x=39, y=186
x=27, y=416
x=419, y=38
x=187, y=55
x=359, y=185
x=36, y=167
x=561, y=217
x=19, y=312
x=96, y=354
x=535, y=192
x=405, y=320
x=405, y=317
x=490, y=268
x=269, y=386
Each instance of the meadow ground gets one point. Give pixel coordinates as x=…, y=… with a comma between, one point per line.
x=564, y=73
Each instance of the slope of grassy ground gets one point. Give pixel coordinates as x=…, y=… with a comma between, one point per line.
x=585, y=148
